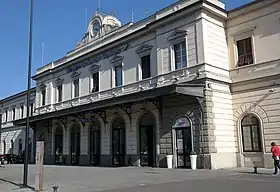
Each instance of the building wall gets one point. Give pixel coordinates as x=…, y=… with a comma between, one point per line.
x=15, y=134
x=255, y=88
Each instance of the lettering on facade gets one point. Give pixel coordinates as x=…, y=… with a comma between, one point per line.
x=97, y=58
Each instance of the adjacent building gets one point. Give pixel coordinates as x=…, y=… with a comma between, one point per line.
x=193, y=77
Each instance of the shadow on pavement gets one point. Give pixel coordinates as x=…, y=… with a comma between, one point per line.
x=17, y=184
x=252, y=173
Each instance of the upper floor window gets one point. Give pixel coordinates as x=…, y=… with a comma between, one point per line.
x=59, y=93
x=118, y=76
x=14, y=113
x=95, y=82
x=31, y=108
x=76, y=87
x=6, y=115
x=245, y=52
x=21, y=111
x=145, y=66
x=180, y=55
x=43, y=96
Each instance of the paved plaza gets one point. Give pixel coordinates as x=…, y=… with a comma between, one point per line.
x=88, y=179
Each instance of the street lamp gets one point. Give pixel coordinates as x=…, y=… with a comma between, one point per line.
x=25, y=169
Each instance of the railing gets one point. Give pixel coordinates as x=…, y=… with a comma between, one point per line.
x=146, y=84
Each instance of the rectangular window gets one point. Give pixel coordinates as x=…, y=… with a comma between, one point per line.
x=145, y=67
x=180, y=55
x=59, y=93
x=43, y=97
x=6, y=115
x=21, y=111
x=14, y=113
x=31, y=109
x=76, y=88
x=95, y=82
x=118, y=76
x=245, y=52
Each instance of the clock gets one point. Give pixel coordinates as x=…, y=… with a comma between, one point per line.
x=95, y=28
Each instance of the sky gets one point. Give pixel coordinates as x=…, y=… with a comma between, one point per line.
x=57, y=27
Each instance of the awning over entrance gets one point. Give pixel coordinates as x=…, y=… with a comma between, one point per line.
x=195, y=90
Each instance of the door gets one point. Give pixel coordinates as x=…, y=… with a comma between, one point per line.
x=147, y=146
x=95, y=147
x=183, y=147
x=58, y=149
x=118, y=146
x=75, y=148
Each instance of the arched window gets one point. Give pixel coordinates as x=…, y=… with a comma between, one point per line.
x=251, y=135
x=20, y=147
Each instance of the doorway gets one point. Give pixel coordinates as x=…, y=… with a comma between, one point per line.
x=58, y=146
x=147, y=140
x=183, y=144
x=95, y=146
x=75, y=144
x=118, y=142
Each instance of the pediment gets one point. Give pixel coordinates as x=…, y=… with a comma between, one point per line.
x=75, y=75
x=143, y=48
x=59, y=81
x=117, y=59
x=177, y=34
x=94, y=67
x=42, y=86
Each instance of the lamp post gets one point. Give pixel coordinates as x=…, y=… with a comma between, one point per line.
x=25, y=171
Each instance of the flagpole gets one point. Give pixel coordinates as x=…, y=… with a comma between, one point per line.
x=25, y=171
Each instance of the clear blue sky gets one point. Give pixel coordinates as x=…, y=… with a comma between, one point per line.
x=60, y=24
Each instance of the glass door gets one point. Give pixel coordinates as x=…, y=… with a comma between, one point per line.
x=183, y=147
x=118, y=146
x=58, y=149
x=75, y=148
x=95, y=147
x=147, y=146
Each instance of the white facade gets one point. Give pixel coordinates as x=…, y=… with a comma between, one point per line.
x=191, y=41
x=13, y=137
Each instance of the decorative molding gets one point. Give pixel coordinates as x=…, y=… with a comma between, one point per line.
x=94, y=67
x=42, y=86
x=144, y=48
x=59, y=81
x=177, y=34
x=97, y=58
x=117, y=59
x=75, y=75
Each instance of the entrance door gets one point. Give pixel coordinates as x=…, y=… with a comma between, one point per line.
x=75, y=145
x=95, y=147
x=183, y=147
x=58, y=149
x=118, y=147
x=147, y=146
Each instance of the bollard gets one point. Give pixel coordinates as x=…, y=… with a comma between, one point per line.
x=255, y=170
x=55, y=188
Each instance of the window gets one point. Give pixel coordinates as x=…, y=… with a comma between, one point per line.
x=4, y=146
x=43, y=97
x=95, y=82
x=76, y=87
x=245, y=53
x=14, y=113
x=251, y=136
x=6, y=115
x=21, y=111
x=31, y=109
x=180, y=55
x=145, y=67
x=12, y=147
x=20, y=147
x=59, y=93
x=118, y=76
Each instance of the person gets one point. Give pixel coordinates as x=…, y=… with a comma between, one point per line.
x=275, y=155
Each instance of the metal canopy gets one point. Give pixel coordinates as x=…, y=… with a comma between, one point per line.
x=195, y=90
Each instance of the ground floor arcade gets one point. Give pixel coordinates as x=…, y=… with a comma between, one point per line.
x=135, y=134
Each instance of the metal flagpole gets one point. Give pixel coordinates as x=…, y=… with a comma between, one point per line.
x=25, y=171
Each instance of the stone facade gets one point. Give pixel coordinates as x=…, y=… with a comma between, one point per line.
x=233, y=54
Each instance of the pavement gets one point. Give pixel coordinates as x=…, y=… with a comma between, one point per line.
x=91, y=179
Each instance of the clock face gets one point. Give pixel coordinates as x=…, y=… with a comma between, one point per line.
x=95, y=28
